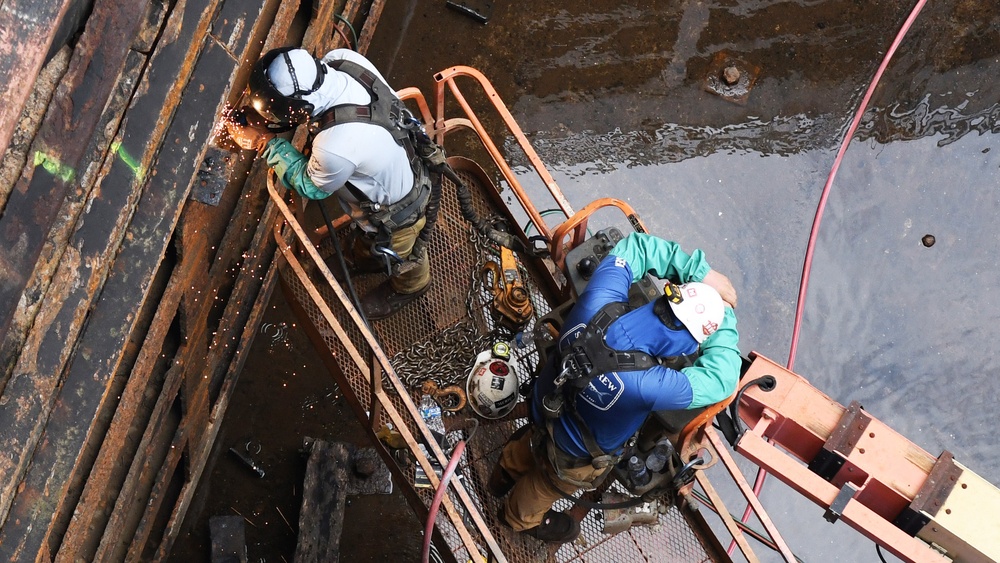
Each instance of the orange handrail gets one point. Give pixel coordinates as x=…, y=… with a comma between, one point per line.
x=447, y=77
x=578, y=224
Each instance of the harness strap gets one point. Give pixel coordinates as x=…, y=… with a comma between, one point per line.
x=558, y=460
x=385, y=109
x=595, y=357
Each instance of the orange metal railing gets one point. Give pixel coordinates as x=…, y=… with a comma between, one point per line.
x=389, y=397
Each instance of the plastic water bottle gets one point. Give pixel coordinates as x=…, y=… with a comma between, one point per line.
x=430, y=411
x=657, y=458
x=542, y=336
x=637, y=472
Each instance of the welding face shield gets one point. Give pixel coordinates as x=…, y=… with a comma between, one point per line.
x=280, y=70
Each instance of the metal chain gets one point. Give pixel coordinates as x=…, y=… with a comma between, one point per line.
x=447, y=356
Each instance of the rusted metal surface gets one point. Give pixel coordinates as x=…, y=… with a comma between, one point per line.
x=941, y=480
x=368, y=31
x=107, y=476
x=94, y=468
x=108, y=473
x=28, y=30
x=324, y=497
x=730, y=78
x=319, y=36
x=31, y=119
x=60, y=152
x=213, y=176
x=82, y=392
x=264, y=280
x=45, y=269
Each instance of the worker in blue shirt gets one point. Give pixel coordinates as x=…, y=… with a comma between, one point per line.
x=551, y=457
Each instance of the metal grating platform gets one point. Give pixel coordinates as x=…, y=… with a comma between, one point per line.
x=458, y=304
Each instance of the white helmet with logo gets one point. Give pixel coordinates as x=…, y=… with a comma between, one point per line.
x=697, y=306
x=492, y=384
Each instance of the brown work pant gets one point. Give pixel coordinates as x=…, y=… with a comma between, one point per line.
x=536, y=480
x=414, y=279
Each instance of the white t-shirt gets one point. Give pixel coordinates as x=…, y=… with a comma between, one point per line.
x=362, y=153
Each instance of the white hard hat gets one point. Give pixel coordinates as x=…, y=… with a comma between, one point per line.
x=697, y=306
x=492, y=386
x=304, y=66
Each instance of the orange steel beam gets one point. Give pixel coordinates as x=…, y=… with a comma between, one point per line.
x=727, y=518
x=417, y=96
x=886, y=469
x=737, y=476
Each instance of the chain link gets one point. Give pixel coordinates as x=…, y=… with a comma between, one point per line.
x=447, y=356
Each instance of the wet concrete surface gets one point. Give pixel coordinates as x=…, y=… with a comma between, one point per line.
x=612, y=95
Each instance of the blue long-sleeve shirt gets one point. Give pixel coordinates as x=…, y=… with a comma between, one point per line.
x=616, y=404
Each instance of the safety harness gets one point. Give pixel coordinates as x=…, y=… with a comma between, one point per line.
x=588, y=358
x=428, y=161
x=387, y=111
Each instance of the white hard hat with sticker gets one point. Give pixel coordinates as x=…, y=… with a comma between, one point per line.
x=698, y=306
x=492, y=384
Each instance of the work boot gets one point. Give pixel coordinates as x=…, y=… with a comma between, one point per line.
x=383, y=301
x=363, y=268
x=500, y=482
x=556, y=527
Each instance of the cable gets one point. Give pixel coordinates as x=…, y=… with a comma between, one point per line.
x=347, y=39
x=343, y=265
x=442, y=487
x=766, y=383
x=807, y=264
x=531, y=224
x=349, y=26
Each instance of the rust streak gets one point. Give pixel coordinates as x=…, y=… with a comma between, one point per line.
x=25, y=35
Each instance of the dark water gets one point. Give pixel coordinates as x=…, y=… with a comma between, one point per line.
x=612, y=96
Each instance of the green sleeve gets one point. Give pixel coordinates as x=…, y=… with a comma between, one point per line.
x=664, y=258
x=290, y=166
x=715, y=373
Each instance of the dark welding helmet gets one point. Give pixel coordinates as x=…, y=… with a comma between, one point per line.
x=267, y=100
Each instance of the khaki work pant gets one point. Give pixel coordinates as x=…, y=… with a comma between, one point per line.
x=414, y=279
x=536, y=480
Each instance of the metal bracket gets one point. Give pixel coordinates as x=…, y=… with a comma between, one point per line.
x=841, y=442
x=932, y=494
x=845, y=495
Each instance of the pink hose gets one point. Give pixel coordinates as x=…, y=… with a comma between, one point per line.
x=432, y=513
x=807, y=265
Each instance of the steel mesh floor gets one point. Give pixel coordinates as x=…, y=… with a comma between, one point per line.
x=438, y=337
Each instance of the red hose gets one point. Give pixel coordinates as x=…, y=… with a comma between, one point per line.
x=807, y=265
x=432, y=513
